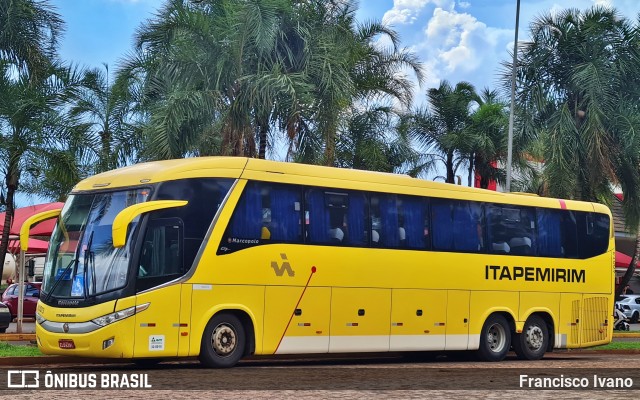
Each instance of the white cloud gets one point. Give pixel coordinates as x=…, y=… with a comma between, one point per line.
x=604, y=3
x=460, y=47
x=406, y=12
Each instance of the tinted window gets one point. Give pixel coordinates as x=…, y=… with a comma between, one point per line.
x=413, y=217
x=326, y=216
x=385, y=225
x=205, y=195
x=457, y=225
x=593, y=234
x=266, y=213
x=161, y=259
x=557, y=233
x=549, y=224
x=511, y=230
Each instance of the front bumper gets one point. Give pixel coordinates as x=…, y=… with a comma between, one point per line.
x=118, y=336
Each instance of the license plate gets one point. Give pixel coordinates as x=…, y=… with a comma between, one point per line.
x=66, y=344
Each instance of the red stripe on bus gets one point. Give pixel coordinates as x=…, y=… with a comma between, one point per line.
x=313, y=271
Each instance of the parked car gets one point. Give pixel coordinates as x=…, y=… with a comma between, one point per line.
x=31, y=296
x=5, y=317
x=631, y=306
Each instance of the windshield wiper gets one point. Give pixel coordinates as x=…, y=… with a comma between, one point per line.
x=73, y=262
x=59, y=279
x=89, y=263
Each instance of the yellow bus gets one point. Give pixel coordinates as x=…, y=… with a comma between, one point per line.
x=224, y=258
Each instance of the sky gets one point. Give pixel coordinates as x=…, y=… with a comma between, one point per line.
x=456, y=40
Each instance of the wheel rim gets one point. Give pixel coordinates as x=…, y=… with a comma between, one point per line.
x=496, y=338
x=534, y=338
x=224, y=340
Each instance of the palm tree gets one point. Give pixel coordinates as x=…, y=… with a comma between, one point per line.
x=33, y=133
x=215, y=67
x=578, y=92
x=29, y=32
x=370, y=140
x=104, y=112
x=487, y=139
x=357, y=73
x=442, y=129
x=226, y=76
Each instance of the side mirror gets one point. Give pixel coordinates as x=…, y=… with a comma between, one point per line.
x=124, y=217
x=33, y=220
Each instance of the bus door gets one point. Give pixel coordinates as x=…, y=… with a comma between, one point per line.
x=158, y=327
x=457, y=320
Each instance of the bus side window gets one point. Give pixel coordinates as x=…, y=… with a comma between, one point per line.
x=468, y=226
x=246, y=222
x=384, y=220
x=549, y=233
x=357, y=213
x=328, y=217
x=285, y=212
x=318, y=221
x=510, y=230
x=414, y=222
x=442, y=227
x=593, y=234
x=266, y=213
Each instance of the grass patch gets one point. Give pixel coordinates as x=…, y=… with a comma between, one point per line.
x=618, y=346
x=11, y=350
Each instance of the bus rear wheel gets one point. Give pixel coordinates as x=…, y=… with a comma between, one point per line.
x=531, y=344
x=495, y=339
x=223, y=341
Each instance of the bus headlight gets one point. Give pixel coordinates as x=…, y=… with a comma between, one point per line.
x=39, y=318
x=119, y=315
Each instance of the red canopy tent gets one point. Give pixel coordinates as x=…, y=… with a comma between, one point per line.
x=622, y=260
x=622, y=263
x=35, y=246
x=21, y=214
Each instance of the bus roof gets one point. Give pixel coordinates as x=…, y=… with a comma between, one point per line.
x=286, y=172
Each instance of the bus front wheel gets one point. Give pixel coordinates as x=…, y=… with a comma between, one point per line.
x=531, y=344
x=495, y=338
x=223, y=341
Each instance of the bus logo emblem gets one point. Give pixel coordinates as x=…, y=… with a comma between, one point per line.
x=279, y=270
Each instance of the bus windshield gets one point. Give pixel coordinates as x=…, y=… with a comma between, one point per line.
x=81, y=260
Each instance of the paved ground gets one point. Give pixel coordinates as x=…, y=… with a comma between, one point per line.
x=361, y=377
x=30, y=327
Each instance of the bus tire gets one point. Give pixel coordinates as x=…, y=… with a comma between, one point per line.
x=495, y=339
x=223, y=341
x=532, y=343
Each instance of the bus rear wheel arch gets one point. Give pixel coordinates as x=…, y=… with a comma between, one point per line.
x=534, y=340
x=495, y=338
x=224, y=341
